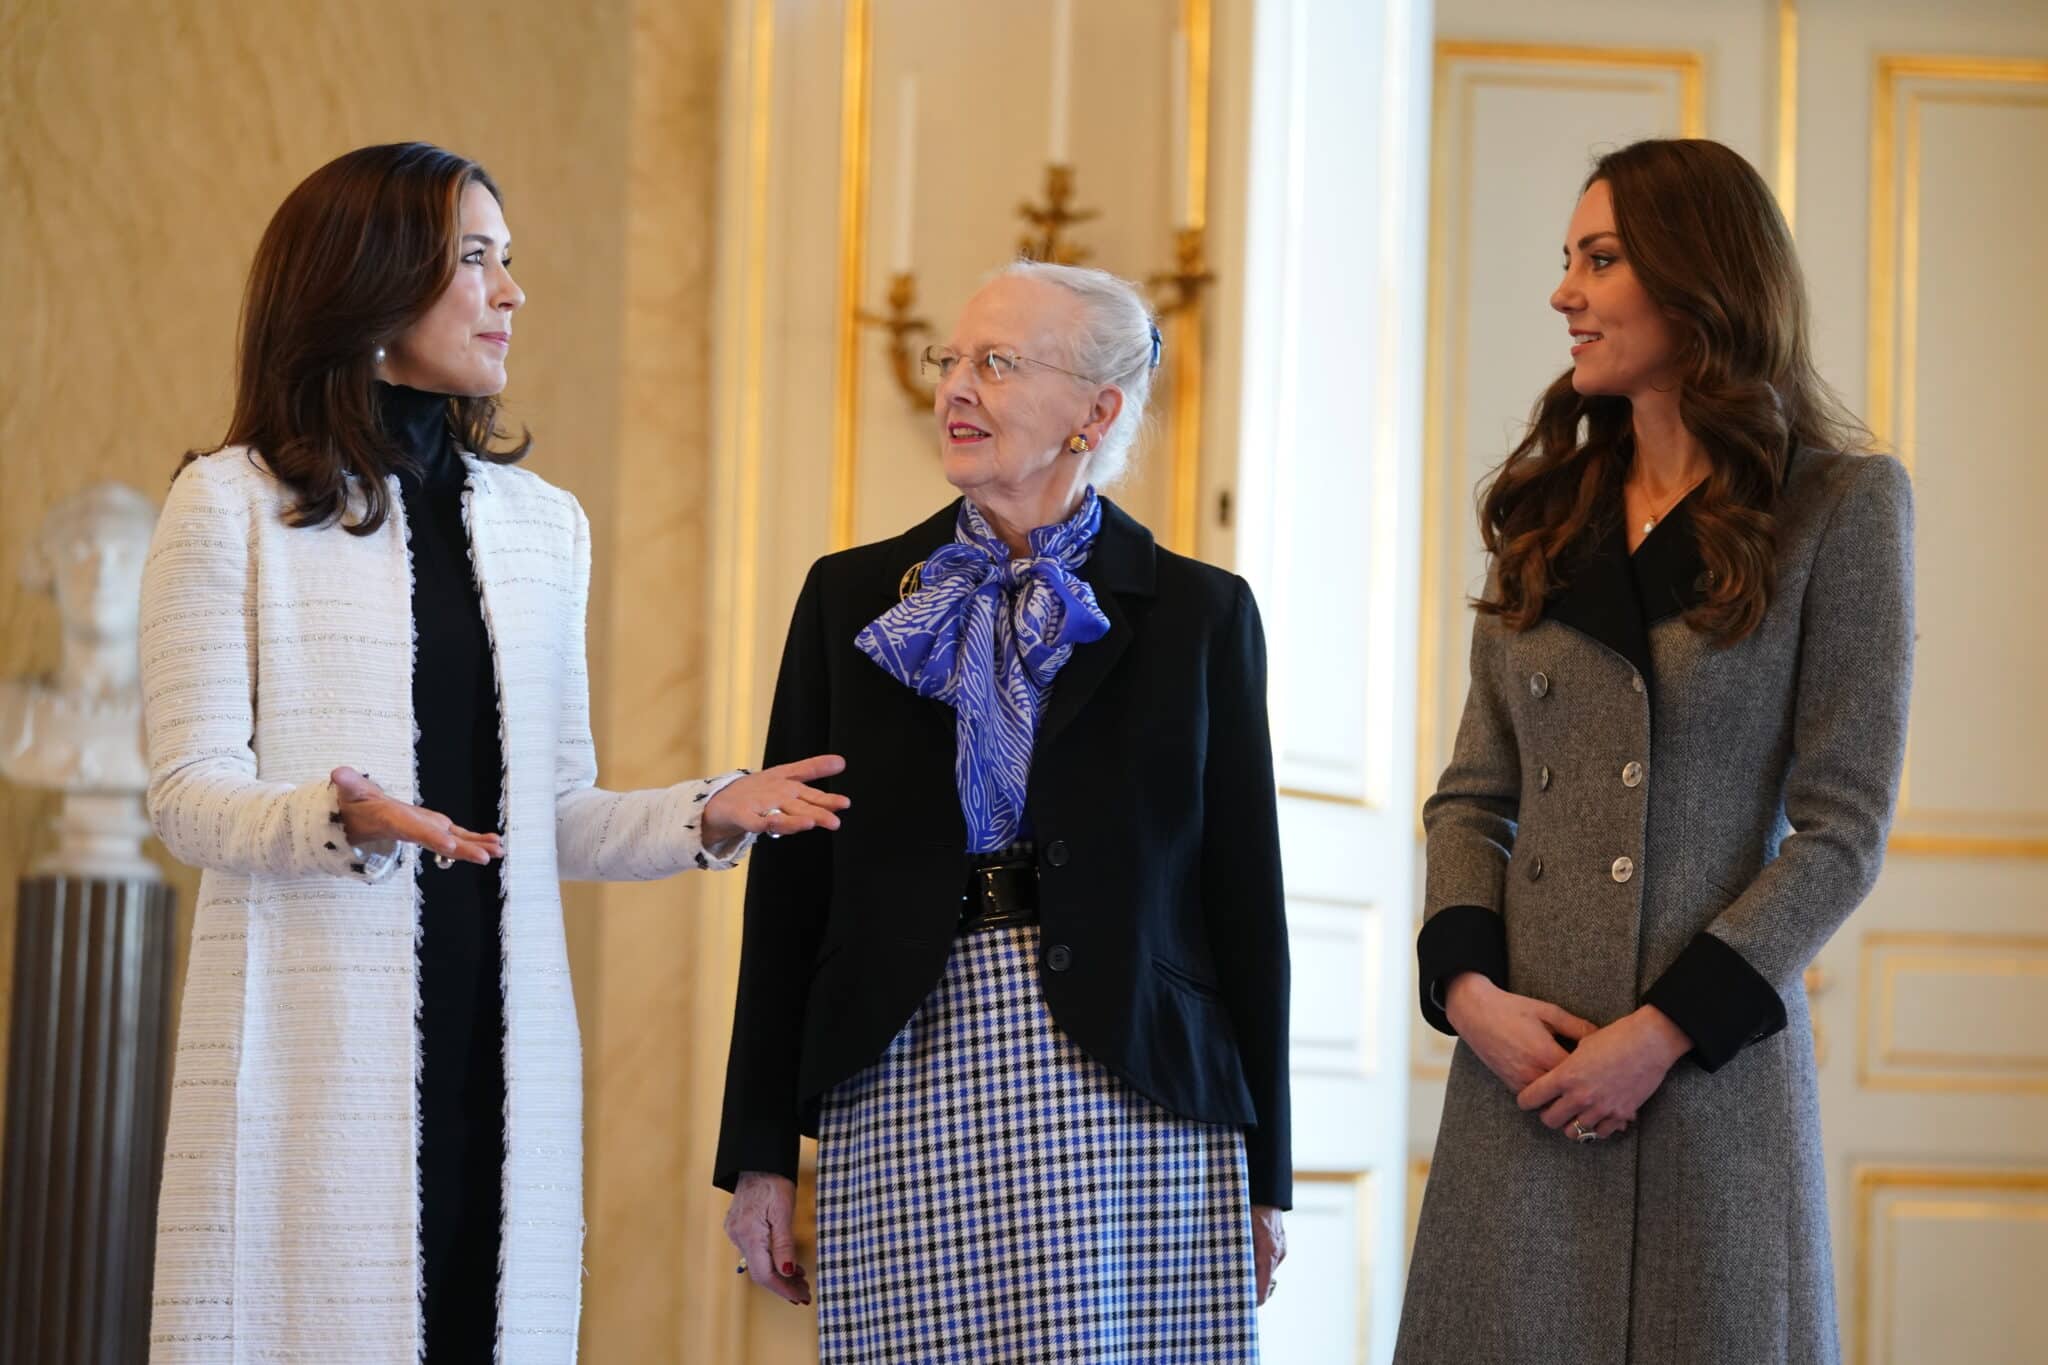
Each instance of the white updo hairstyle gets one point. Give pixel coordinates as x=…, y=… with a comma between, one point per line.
x=1113, y=346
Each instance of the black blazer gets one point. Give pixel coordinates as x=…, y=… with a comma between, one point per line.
x=1152, y=804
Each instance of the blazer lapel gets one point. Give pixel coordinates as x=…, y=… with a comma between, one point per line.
x=912, y=548
x=1124, y=562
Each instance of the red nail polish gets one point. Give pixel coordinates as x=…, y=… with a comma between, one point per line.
x=788, y=1269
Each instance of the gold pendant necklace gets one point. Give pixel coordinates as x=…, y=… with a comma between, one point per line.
x=1657, y=516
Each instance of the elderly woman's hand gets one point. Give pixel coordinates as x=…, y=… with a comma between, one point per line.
x=775, y=802
x=1601, y=1085
x=368, y=816
x=1515, y=1035
x=1269, y=1247
x=759, y=1223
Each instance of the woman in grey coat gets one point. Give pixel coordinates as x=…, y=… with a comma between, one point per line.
x=1672, y=783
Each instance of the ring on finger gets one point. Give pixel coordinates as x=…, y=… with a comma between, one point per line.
x=1581, y=1133
x=770, y=814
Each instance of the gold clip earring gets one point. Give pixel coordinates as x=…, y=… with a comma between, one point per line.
x=1078, y=444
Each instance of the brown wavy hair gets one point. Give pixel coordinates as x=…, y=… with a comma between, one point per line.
x=1703, y=234
x=355, y=255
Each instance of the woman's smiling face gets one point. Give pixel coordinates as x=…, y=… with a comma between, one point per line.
x=1013, y=432
x=1622, y=342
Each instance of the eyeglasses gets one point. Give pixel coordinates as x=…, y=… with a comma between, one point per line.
x=994, y=365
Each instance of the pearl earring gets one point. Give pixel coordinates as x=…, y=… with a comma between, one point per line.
x=1078, y=444
x=377, y=356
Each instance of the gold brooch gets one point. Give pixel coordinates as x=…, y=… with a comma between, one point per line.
x=912, y=580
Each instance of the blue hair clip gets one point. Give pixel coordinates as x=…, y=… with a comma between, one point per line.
x=1158, y=344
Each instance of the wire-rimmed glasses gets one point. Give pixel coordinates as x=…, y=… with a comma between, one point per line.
x=991, y=363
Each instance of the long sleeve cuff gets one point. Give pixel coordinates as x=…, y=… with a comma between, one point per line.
x=770, y=1145
x=314, y=817
x=718, y=857
x=1718, y=1000
x=1270, y=1183
x=1458, y=939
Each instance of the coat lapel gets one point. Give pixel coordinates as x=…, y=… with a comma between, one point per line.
x=912, y=548
x=1125, y=561
x=1614, y=597
x=1598, y=599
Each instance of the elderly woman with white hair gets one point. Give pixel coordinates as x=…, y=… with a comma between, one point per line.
x=1035, y=1012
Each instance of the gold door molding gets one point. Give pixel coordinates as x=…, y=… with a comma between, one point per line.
x=2014, y=961
x=1904, y=85
x=1359, y=1184
x=1326, y=928
x=1787, y=164
x=1885, y=1198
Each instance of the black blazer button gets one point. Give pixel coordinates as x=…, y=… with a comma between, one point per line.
x=1056, y=853
x=1059, y=957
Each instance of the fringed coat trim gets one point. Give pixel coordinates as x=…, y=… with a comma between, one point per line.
x=289, y=1218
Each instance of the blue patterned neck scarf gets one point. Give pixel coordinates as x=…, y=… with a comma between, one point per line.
x=986, y=634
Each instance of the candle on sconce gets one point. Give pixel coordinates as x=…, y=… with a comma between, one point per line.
x=1178, y=60
x=906, y=171
x=1062, y=79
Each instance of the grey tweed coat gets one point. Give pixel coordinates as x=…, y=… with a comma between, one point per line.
x=1633, y=813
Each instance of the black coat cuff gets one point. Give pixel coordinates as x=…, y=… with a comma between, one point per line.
x=1271, y=1182
x=1456, y=939
x=1718, y=1000
x=769, y=1145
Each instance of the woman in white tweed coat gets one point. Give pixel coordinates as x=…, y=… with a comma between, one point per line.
x=295, y=575
x=1671, y=785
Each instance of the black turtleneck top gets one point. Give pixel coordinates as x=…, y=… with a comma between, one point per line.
x=461, y=770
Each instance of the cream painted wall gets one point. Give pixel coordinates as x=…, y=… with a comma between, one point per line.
x=144, y=146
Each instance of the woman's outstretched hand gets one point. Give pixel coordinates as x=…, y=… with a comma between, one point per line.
x=368, y=816
x=775, y=802
x=759, y=1222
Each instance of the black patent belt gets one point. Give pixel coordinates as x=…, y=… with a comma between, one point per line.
x=999, y=895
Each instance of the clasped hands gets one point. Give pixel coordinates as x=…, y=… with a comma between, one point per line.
x=776, y=801
x=1598, y=1085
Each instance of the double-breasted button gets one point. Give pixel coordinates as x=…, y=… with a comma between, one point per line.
x=1624, y=868
x=1535, y=869
x=1056, y=853
x=1059, y=957
x=1539, y=684
x=1632, y=775
x=1543, y=779
x=1638, y=684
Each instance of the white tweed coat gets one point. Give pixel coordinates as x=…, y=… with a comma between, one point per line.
x=289, y=1220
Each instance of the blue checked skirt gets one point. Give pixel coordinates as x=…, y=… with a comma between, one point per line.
x=987, y=1193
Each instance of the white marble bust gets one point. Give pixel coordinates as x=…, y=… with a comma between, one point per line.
x=79, y=731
